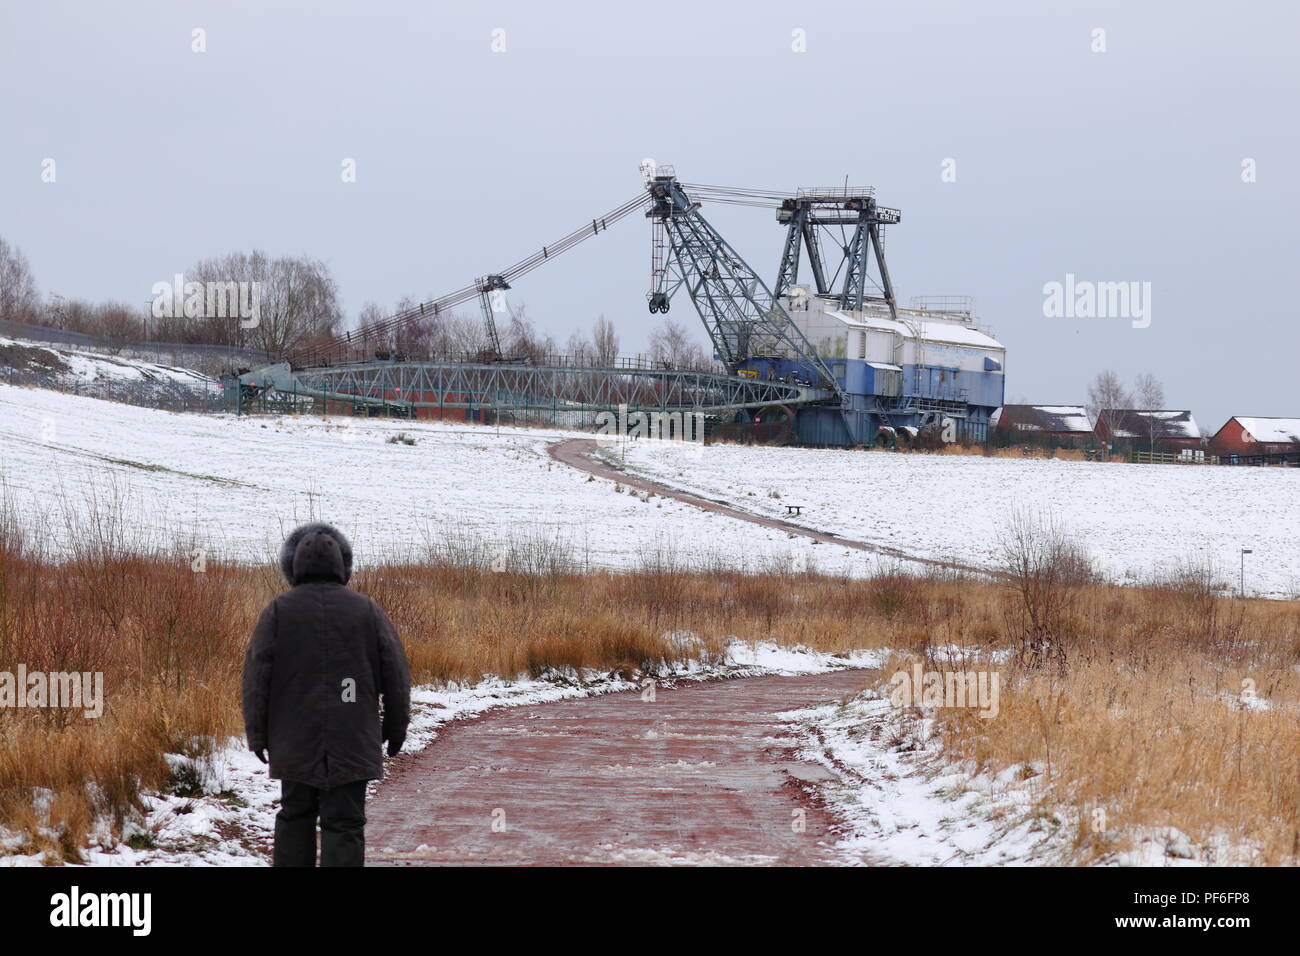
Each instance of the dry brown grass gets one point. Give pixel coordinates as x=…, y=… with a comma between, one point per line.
x=170, y=643
x=1014, y=451
x=1129, y=716
x=1146, y=723
x=1134, y=702
x=957, y=448
x=989, y=451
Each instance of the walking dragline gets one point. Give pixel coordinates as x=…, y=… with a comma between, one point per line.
x=834, y=362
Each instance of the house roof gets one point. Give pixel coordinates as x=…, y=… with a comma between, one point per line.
x=1160, y=424
x=1045, y=418
x=1272, y=430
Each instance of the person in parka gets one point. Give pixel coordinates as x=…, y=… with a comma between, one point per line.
x=321, y=659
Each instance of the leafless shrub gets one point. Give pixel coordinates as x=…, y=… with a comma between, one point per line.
x=1047, y=569
x=1196, y=595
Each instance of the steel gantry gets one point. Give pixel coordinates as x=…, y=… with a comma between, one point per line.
x=809, y=212
x=400, y=386
x=743, y=317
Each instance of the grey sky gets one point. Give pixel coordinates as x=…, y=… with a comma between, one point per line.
x=1114, y=166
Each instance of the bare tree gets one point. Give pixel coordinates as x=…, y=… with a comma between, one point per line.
x=113, y=321
x=118, y=323
x=1106, y=391
x=298, y=300
x=579, y=348
x=18, y=299
x=72, y=315
x=437, y=335
x=370, y=314
x=1149, y=395
x=671, y=345
x=421, y=334
x=464, y=334
x=605, y=342
x=522, y=340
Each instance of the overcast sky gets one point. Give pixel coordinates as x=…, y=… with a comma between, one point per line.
x=1122, y=165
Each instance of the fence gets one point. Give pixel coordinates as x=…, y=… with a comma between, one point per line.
x=1284, y=460
x=1171, y=458
x=1289, y=460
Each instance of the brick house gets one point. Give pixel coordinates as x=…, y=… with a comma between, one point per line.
x=1241, y=435
x=1161, y=430
x=1064, y=426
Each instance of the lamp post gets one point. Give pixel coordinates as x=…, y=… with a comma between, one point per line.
x=1241, y=589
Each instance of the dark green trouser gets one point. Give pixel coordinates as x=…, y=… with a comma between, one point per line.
x=342, y=813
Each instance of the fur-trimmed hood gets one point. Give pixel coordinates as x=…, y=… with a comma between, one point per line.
x=316, y=552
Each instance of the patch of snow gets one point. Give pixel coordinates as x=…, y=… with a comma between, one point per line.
x=902, y=799
x=902, y=804
x=91, y=368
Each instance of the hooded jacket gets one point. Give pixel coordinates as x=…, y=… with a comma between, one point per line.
x=321, y=659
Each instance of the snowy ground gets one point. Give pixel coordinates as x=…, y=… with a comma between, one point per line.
x=902, y=801
x=1137, y=520
x=236, y=486
x=227, y=817
x=88, y=369
x=902, y=804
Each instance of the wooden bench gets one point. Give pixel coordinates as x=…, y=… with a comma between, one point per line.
x=793, y=509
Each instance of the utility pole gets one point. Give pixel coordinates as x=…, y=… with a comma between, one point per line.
x=1241, y=588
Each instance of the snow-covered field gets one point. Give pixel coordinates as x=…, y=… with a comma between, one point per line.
x=236, y=486
x=1136, y=520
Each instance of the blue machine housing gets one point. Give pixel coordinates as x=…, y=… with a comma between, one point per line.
x=927, y=367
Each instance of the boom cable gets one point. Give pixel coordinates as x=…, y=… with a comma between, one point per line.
x=376, y=330
x=731, y=195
